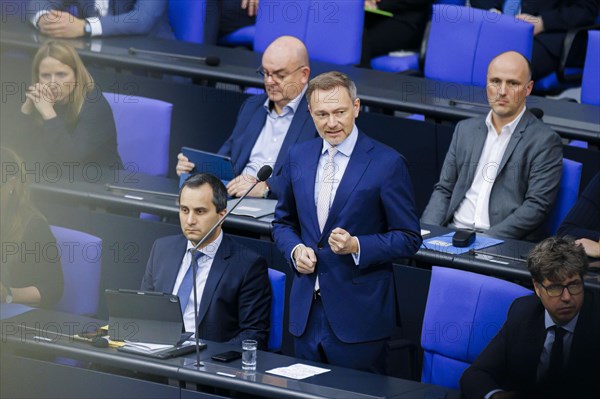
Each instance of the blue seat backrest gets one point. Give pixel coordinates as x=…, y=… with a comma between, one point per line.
x=331, y=30
x=567, y=195
x=277, y=280
x=143, y=132
x=464, y=312
x=81, y=260
x=463, y=40
x=187, y=19
x=590, y=84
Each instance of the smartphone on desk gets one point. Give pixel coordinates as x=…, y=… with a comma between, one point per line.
x=227, y=356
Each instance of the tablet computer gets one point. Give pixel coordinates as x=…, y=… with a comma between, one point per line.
x=142, y=316
x=208, y=162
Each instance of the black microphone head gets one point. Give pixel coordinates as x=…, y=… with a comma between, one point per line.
x=539, y=113
x=100, y=342
x=264, y=173
x=212, y=60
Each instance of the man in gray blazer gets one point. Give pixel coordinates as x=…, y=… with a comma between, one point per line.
x=502, y=172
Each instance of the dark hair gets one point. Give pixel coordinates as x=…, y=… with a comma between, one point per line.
x=218, y=188
x=330, y=80
x=557, y=258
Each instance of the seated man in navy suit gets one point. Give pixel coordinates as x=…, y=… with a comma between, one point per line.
x=549, y=345
x=232, y=283
x=269, y=124
x=85, y=18
x=342, y=220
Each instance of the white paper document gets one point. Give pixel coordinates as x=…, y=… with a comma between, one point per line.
x=298, y=371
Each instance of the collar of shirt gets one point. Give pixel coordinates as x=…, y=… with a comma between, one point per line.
x=345, y=147
x=511, y=126
x=570, y=326
x=292, y=106
x=211, y=249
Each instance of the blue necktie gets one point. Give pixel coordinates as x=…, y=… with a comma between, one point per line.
x=185, y=289
x=511, y=7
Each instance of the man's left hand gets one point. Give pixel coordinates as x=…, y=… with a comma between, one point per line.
x=342, y=243
x=538, y=22
x=61, y=24
x=238, y=187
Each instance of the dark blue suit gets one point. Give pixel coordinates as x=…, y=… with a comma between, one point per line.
x=250, y=121
x=510, y=361
x=236, y=301
x=125, y=17
x=374, y=201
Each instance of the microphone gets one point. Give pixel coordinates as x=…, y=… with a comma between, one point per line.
x=537, y=112
x=476, y=252
x=263, y=174
x=210, y=60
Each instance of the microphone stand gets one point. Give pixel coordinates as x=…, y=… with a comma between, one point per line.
x=194, y=250
x=133, y=50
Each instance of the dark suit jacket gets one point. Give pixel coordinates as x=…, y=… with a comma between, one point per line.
x=374, y=202
x=583, y=220
x=525, y=188
x=125, y=17
x=510, y=360
x=249, y=124
x=236, y=301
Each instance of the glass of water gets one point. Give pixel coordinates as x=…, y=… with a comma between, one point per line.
x=249, y=347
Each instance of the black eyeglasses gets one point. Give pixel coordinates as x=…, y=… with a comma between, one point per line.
x=555, y=290
x=277, y=77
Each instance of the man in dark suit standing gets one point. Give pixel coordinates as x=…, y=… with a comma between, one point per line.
x=551, y=20
x=549, y=345
x=345, y=212
x=502, y=172
x=85, y=18
x=269, y=124
x=232, y=281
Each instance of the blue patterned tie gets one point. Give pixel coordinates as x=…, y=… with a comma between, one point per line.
x=185, y=289
x=511, y=7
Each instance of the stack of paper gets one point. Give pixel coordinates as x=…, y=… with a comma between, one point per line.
x=298, y=371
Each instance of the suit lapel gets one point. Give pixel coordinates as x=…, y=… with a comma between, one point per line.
x=218, y=267
x=301, y=117
x=311, y=163
x=477, y=149
x=514, y=139
x=254, y=128
x=535, y=344
x=174, y=259
x=358, y=164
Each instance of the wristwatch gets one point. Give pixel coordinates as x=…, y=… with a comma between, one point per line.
x=87, y=29
x=267, y=191
x=9, y=297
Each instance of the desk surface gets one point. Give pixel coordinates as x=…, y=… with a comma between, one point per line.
x=434, y=99
x=100, y=195
x=337, y=383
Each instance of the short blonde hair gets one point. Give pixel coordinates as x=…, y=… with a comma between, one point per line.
x=330, y=80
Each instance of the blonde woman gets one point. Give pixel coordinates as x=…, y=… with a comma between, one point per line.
x=30, y=269
x=70, y=118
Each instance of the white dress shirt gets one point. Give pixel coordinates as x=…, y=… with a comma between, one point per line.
x=473, y=211
x=268, y=144
x=204, y=265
